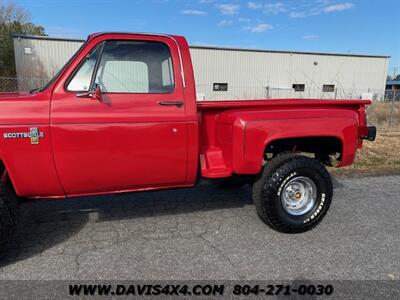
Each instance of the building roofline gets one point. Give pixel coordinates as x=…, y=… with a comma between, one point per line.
x=49, y=38
x=287, y=51
x=24, y=36
x=393, y=82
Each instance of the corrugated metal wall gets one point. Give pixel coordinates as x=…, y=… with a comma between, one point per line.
x=252, y=74
x=249, y=74
x=39, y=59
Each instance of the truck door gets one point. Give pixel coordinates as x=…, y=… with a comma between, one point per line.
x=131, y=133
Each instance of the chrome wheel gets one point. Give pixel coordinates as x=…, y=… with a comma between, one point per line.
x=299, y=196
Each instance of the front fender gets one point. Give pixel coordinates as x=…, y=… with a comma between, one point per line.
x=29, y=166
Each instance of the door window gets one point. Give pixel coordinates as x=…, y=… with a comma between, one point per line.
x=135, y=67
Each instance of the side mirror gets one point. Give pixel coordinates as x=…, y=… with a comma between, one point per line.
x=93, y=94
x=97, y=93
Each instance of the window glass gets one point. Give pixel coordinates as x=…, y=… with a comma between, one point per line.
x=81, y=80
x=135, y=67
x=135, y=77
x=167, y=72
x=329, y=88
x=220, y=87
x=299, y=87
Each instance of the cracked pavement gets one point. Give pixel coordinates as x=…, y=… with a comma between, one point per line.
x=207, y=233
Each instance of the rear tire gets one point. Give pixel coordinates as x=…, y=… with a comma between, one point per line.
x=8, y=217
x=293, y=193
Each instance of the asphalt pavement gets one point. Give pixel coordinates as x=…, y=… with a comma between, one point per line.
x=207, y=233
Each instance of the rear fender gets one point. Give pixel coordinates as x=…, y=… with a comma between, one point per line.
x=252, y=132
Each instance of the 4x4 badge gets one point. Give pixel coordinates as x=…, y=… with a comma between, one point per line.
x=34, y=134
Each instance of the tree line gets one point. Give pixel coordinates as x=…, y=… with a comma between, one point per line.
x=13, y=20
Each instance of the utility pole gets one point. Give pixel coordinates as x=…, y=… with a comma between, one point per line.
x=393, y=100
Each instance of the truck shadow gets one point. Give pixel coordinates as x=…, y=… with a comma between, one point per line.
x=46, y=226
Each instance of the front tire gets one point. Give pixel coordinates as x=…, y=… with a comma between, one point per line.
x=293, y=194
x=8, y=217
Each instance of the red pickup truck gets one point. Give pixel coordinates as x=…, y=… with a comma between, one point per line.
x=122, y=116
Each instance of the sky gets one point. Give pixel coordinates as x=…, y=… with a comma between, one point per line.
x=348, y=26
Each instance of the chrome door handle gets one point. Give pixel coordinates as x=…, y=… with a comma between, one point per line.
x=176, y=103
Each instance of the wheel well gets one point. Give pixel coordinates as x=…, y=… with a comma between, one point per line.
x=4, y=176
x=6, y=180
x=322, y=147
x=2, y=167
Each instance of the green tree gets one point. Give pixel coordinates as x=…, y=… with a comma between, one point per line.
x=13, y=19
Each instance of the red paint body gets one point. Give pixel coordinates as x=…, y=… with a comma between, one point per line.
x=128, y=142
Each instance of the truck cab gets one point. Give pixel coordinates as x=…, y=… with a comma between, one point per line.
x=133, y=134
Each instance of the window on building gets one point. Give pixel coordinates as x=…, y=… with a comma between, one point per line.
x=299, y=87
x=328, y=88
x=81, y=80
x=220, y=87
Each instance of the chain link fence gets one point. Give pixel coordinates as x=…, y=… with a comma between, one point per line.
x=384, y=112
x=18, y=84
x=237, y=92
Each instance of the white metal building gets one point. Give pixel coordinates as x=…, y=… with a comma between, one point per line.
x=229, y=73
